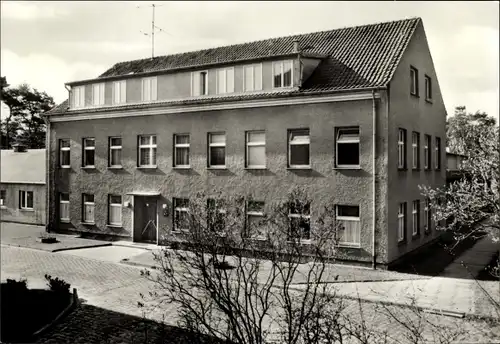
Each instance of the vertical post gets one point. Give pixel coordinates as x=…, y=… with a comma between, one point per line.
x=153, y=34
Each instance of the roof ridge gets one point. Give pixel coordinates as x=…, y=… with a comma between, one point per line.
x=263, y=40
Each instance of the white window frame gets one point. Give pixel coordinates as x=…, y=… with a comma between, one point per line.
x=216, y=144
x=401, y=221
x=66, y=203
x=153, y=89
x=437, y=153
x=255, y=87
x=414, y=81
x=227, y=77
x=415, y=146
x=338, y=141
x=250, y=213
x=88, y=204
x=99, y=88
x=64, y=149
x=114, y=205
x=255, y=144
x=151, y=146
x=427, y=150
x=428, y=87
x=282, y=67
x=308, y=217
x=415, y=217
x=193, y=80
x=88, y=148
x=220, y=211
x=181, y=145
x=3, y=196
x=119, y=92
x=113, y=148
x=349, y=218
x=291, y=143
x=78, y=96
x=23, y=194
x=401, y=148
x=179, y=209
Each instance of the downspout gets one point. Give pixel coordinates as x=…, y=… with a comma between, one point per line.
x=47, y=173
x=374, y=151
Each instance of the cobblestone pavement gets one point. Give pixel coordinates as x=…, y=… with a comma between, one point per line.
x=111, y=292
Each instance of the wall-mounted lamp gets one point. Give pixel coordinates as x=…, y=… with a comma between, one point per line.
x=126, y=204
x=165, y=209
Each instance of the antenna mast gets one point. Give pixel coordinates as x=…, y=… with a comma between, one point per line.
x=153, y=27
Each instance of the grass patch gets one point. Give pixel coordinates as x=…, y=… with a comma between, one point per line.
x=485, y=274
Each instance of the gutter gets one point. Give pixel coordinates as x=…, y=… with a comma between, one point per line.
x=374, y=161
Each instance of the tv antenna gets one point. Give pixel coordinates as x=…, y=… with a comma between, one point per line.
x=153, y=27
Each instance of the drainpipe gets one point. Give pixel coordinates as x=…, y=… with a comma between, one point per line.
x=47, y=174
x=374, y=151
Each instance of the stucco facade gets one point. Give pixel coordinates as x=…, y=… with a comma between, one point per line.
x=11, y=210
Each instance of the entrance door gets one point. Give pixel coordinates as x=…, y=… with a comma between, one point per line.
x=145, y=219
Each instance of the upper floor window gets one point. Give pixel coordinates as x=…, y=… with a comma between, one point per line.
x=401, y=221
x=115, y=210
x=414, y=81
x=25, y=199
x=427, y=152
x=252, y=77
x=181, y=150
x=225, y=80
x=78, y=96
x=255, y=215
x=437, y=154
x=298, y=148
x=3, y=195
x=149, y=91
x=64, y=207
x=98, y=94
x=282, y=74
x=401, y=148
x=88, y=152
x=147, y=150
x=199, y=83
x=64, y=153
x=115, y=151
x=216, y=150
x=256, y=149
x=88, y=208
x=347, y=147
x=428, y=88
x=415, y=147
x=119, y=92
x=347, y=218
x=300, y=220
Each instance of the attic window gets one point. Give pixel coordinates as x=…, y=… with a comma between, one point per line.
x=282, y=74
x=199, y=83
x=149, y=90
x=78, y=93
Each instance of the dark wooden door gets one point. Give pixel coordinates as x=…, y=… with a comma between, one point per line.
x=145, y=219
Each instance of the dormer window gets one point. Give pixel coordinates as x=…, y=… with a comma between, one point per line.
x=119, y=92
x=199, y=83
x=282, y=74
x=252, y=77
x=225, y=80
x=78, y=96
x=98, y=94
x=149, y=91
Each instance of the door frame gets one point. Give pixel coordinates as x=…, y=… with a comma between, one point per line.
x=133, y=217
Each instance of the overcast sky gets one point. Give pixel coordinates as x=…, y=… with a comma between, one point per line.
x=49, y=43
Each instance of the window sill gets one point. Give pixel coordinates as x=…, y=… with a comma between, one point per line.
x=301, y=242
x=347, y=168
x=114, y=226
x=181, y=167
x=27, y=210
x=414, y=95
x=3, y=207
x=347, y=245
x=180, y=231
x=64, y=221
x=115, y=167
x=402, y=169
x=88, y=223
x=147, y=167
x=299, y=168
x=88, y=168
x=256, y=168
x=402, y=242
x=65, y=167
x=427, y=100
x=217, y=168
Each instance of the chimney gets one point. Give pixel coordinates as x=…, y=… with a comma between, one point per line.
x=296, y=46
x=19, y=148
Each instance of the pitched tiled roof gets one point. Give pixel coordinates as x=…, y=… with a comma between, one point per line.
x=23, y=167
x=356, y=57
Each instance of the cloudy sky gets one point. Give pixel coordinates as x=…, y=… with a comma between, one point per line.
x=49, y=43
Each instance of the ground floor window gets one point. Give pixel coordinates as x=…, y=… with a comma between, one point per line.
x=88, y=208
x=3, y=195
x=255, y=215
x=216, y=215
x=416, y=217
x=181, y=214
x=64, y=207
x=25, y=199
x=401, y=221
x=300, y=220
x=115, y=210
x=349, y=232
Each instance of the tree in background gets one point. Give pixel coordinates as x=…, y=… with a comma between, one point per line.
x=24, y=123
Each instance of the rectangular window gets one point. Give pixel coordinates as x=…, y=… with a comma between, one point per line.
x=437, y=154
x=252, y=77
x=181, y=150
x=88, y=152
x=64, y=207
x=216, y=215
x=427, y=215
x=349, y=232
x=149, y=90
x=225, y=80
x=255, y=215
x=401, y=148
x=147, y=151
x=428, y=88
x=181, y=214
x=402, y=221
x=25, y=199
x=256, y=149
x=282, y=74
x=298, y=148
x=3, y=195
x=78, y=93
x=199, y=83
x=115, y=210
x=415, y=217
x=119, y=92
x=347, y=147
x=98, y=94
x=217, y=150
x=300, y=220
x=115, y=151
x=415, y=147
x=414, y=81
x=427, y=152
x=64, y=152
x=88, y=208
